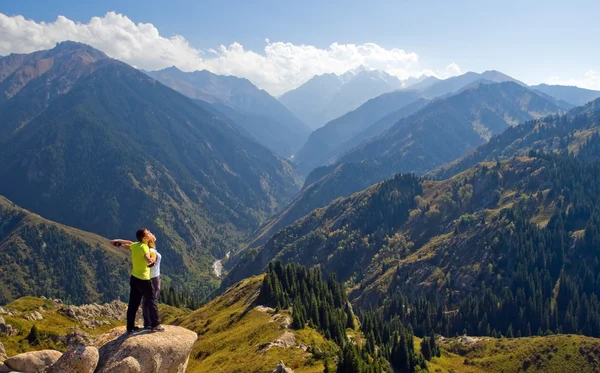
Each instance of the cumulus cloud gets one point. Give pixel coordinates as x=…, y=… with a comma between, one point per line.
x=590, y=80
x=280, y=67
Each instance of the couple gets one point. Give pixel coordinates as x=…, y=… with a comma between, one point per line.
x=144, y=281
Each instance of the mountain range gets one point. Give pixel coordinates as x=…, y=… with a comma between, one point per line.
x=253, y=110
x=468, y=244
x=329, y=96
x=327, y=143
x=93, y=143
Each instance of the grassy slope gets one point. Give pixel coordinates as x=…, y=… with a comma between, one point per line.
x=550, y=354
x=231, y=333
x=54, y=324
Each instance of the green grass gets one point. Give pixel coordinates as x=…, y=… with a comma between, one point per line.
x=550, y=354
x=233, y=334
x=53, y=325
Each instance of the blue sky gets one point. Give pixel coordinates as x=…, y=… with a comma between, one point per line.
x=534, y=41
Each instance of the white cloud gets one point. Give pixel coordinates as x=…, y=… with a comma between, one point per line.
x=590, y=80
x=280, y=67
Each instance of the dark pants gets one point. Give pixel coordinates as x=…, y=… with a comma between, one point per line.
x=156, y=292
x=141, y=289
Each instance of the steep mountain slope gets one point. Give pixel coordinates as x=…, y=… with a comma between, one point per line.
x=118, y=150
x=550, y=134
x=455, y=84
x=323, y=144
x=448, y=128
x=342, y=181
x=253, y=109
x=329, y=96
x=41, y=257
x=465, y=244
x=571, y=94
x=325, y=184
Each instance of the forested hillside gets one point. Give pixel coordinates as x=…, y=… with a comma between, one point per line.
x=512, y=238
x=41, y=258
x=114, y=150
x=566, y=133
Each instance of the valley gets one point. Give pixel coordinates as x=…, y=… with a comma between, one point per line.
x=348, y=209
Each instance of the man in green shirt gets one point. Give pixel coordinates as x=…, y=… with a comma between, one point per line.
x=141, y=286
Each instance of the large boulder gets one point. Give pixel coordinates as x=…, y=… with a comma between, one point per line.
x=33, y=362
x=79, y=360
x=146, y=352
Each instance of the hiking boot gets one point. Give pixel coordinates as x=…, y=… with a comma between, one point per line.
x=135, y=329
x=157, y=329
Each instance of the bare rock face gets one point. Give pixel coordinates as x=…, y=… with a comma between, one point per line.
x=79, y=360
x=33, y=362
x=281, y=368
x=146, y=352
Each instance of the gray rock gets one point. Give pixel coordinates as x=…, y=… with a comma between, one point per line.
x=146, y=352
x=281, y=368
x=33, y=362
x=79, y=360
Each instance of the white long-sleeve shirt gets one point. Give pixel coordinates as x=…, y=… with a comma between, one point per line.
x=155, y=270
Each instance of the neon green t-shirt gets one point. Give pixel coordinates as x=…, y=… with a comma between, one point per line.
x=140, y=266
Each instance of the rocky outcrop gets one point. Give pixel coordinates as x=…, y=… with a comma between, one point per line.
x=7, y=329
x=2, y=353
x=79, y=360
x=146, y=352
x=94, y=315
x=33, y=362
x=281, y=368
x=34, y=316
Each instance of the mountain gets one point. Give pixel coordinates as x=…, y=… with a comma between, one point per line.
x=448, y=128
x=329, y=96
x=252, y=109
x=462, y=246
x=323, y=145
x=494, y=104
x=571, y=94
x=107, y=149
x=423, y=84
x=552, y=134
x=342, y=181
x=41, y=257
x=456, y=83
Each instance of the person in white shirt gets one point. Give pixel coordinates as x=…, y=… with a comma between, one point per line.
x=154, y=278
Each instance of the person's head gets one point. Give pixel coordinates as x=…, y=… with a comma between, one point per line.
x=151, y=244
x=142, y=235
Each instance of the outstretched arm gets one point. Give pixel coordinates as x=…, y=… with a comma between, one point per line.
x=121, y=243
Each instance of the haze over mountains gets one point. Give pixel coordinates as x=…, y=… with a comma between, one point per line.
x=326, y=97
x=252, y=109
